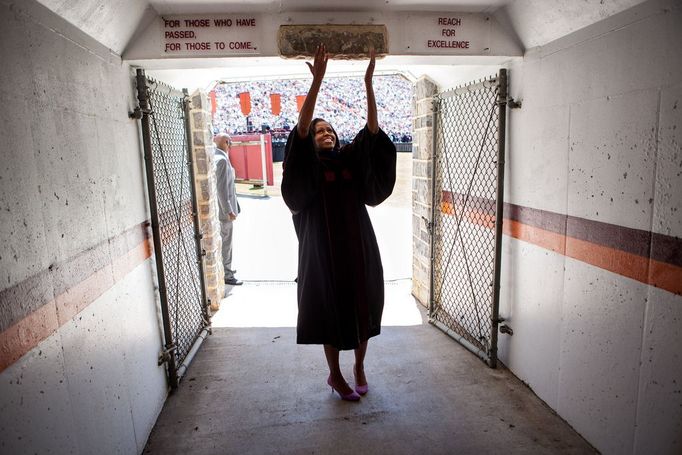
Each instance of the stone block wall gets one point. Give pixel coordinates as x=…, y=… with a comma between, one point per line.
x=207, y=202
x=422, y=162
x=345, y=42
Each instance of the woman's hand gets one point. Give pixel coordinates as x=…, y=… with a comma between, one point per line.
x=370, y=68
x=319, y=66
x=372, y=122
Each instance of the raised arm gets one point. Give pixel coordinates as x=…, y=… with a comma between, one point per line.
x=372, y=123
x=318, y=69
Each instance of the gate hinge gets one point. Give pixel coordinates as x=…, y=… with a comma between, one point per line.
x=429, y=225
x=506, y=329
x=165, y=355
x=511, y=103
x=137, y=113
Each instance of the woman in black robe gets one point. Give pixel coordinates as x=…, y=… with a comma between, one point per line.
x=327, y=188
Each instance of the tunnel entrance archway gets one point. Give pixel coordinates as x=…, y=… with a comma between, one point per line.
x=447, y=72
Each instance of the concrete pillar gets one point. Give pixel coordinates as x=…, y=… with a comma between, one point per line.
x=204, y=182
x=422, y=162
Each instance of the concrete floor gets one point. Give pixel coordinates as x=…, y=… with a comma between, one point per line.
x=252, y=389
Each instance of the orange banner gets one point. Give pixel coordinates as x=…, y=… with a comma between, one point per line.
x=245, y=103
x=300, y=99
x=275, y=103
x=214, y=105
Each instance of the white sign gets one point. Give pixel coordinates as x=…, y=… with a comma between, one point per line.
x=447, y=33
x=449, y=37
x=210, y=35
x=242, y=34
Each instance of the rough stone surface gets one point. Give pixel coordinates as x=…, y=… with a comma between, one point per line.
x=348, y=42
x=425, y=88
x=198, y=100
x=198, y=120
x=210, y=241
x=204, y=182
x=422, y=156
x=424, y=141
x=423, y=187
x=424, y=107
x=421, y=210
x=202, y=138
x=201, y=163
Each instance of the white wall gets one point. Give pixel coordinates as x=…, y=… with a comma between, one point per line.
x=73, y=207
x=602, y=349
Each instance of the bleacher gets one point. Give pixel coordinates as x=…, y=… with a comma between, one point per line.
x=341, y=101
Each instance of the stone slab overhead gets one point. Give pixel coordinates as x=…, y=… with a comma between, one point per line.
x=343, y=41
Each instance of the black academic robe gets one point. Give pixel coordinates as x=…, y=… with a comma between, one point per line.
x=340, y=277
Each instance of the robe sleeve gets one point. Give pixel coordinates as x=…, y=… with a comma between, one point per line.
x=374, y=156
x=300, y=175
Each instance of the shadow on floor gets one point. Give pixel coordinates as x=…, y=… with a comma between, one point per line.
x=253, y=390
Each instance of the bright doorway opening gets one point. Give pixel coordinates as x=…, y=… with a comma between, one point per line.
x=265, y=244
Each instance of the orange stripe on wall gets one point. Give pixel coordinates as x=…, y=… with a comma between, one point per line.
x=23, y=336
x=537, y=236
x=126, y=263
x=666, y=276
x=27, y=333
x=643, y=269
x=78, y=297
x=616, y=261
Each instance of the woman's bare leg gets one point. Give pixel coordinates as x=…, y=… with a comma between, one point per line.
x=359, y=368
x=337, y=379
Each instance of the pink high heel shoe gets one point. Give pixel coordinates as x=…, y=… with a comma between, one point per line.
x=361, y=389
x=353, y=396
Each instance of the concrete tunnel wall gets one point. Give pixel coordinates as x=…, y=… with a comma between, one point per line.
x=599, y=347
x=79, y=330
x=593, y=224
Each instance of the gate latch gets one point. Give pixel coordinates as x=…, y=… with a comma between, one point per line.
x=165, y=355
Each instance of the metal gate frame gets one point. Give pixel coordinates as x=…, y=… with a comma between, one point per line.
x=482, y=218
x=188, y=300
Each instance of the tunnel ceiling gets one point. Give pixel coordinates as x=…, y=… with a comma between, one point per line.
x=113, y=23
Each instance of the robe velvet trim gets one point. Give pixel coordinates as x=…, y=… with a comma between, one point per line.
x=340, y=276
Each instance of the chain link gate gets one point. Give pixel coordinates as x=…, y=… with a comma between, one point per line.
x=468, y=182
x=175, y=225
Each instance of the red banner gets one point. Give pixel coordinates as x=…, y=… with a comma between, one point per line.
x=300, y=99
x=214, y=106
x=245, y=103
x=275, y=103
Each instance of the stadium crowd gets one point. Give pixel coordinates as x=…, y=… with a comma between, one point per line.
x=393, y=95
